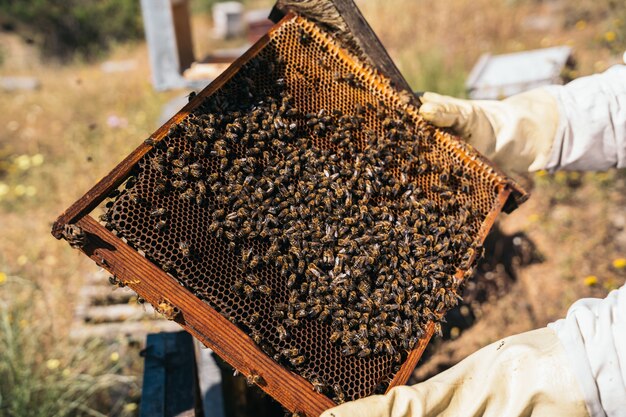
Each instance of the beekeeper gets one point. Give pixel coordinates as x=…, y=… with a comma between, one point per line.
x=576, y=366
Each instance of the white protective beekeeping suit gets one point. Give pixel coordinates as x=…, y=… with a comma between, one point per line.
x=577, y=365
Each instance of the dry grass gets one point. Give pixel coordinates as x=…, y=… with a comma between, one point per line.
x=436, y=43
x=58, y=141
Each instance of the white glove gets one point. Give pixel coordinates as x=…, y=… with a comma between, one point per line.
x=515, y=133
x=521, y=375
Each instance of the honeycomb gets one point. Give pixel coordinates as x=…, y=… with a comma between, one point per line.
x=299, y=58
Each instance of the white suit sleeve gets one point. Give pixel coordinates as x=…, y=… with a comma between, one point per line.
x=591, y=134
x=594, y=338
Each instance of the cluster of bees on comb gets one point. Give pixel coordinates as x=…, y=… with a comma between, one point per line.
x=358, y=243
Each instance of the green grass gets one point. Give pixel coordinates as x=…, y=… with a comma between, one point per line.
x=56, y=143
x=43, y=374
x=429, y=72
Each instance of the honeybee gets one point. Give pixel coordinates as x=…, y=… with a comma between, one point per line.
x=256, y=337
x=167, y=309
x=335, y=336
x=315, y=311
x=134, y=197
x=113, y=280
x=298, y=360
x=282, y=333
x=170, y=153
x=200, y=148
x=319, y=385
x=195, y=170
x=349, y=350
x=388, y=346
x=158, y=212
x=161, y=225
x=254, y=379
x=291, y=322
x=160, y=187
x=168, y=266
x=444, y=177
x=179, y=184
x=339, y=395
x=305, y=38
x=264, y=289
x=290, y=353
x=291, y=281
x=438, y=329
x=253, y=279
x=365, y=352
x=188, y=195
x=184, y=248
x=248, y=291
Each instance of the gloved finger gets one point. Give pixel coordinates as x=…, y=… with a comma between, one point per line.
x=438, y=115
x=445, y=111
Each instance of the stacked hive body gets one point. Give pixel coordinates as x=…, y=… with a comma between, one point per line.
x=305, y=201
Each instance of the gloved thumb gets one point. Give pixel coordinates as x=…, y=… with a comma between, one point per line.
x=466, y=117
x=445, y=111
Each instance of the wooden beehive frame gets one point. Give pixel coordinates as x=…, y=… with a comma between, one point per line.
x=198, y=318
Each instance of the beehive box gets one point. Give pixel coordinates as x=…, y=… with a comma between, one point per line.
x=174, y=232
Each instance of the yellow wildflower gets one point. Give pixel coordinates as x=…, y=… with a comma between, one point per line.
x=561, y=177
x=53, y=364
x=610, y=36
x=590, y=280
x=22, y=162
x=455, y=332
x=115, y=357
x=533, y=218
x=3, y=278
x=19, y=190
x=619, y=263
x=36, y=159
x=610, y=284
x=574, y=176
x=130, y=407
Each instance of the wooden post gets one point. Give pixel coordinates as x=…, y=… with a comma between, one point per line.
x=168, y=34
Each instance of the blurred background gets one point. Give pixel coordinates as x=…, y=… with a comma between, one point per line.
x=78, y=92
